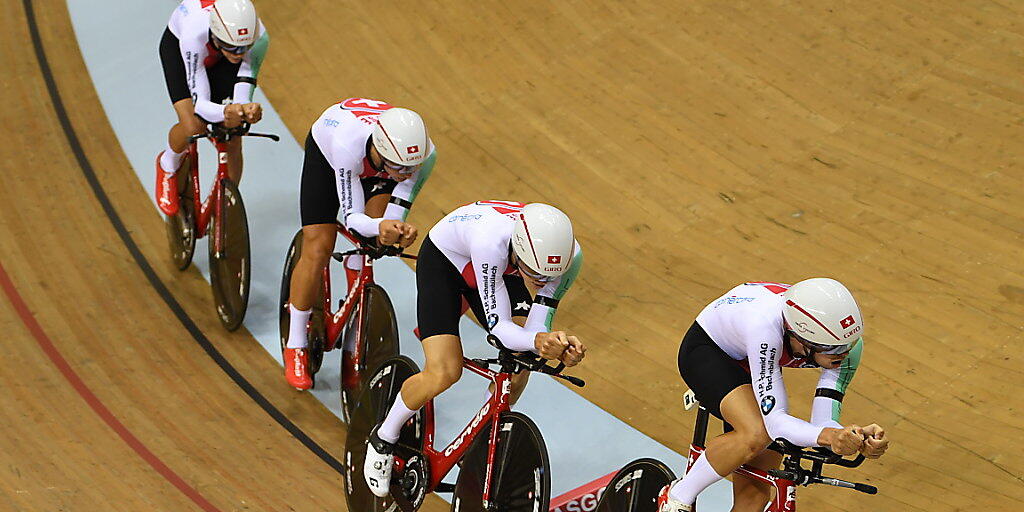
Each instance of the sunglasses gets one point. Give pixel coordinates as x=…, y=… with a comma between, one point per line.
x=400, y=169
x=237, y=50
x=528, y=272
x=832, y=350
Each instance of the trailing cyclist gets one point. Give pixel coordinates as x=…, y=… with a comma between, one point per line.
x=732, y=359
x=211, y=53
x=485, y=253
x=369, y=160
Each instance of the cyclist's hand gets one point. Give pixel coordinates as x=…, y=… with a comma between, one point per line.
x=551, y=345
x=574, y=353
x=253, y=112
x=846, y=441
x=233, y=114
x=409, y=234
x=875, y=442
x=396, y=232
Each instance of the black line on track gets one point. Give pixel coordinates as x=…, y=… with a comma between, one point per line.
x=147, y=269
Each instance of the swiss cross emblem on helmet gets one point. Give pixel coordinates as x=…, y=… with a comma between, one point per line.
x=243, y=31
x=412, y=150
x=847, y=322
x=554, y=260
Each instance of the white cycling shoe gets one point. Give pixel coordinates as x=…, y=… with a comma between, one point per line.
x=667, y=504
x=378, y=464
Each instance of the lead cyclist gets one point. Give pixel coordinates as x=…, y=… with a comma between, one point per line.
x=732, y=358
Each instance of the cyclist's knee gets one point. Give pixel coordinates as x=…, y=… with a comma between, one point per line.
x=317, y=247
x=195, y=125
x=754, y=441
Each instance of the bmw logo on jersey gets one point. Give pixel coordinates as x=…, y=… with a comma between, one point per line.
x=767, y=404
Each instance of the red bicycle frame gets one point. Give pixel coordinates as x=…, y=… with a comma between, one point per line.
x=442, y=461
x=335, y=321
x=785, y=497
x=203, y=208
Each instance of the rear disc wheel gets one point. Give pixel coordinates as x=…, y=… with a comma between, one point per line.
x=370, y=408
x=231, y=266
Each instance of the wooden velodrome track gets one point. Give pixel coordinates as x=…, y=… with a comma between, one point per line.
x=696, y=145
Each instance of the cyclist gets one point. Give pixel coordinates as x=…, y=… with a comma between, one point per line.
x=493, y=247
x=369, y=160
x=211, y=52
x=732, y=359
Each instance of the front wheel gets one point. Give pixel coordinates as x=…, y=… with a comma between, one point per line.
x=230, y=264
x=635, y=487
x=520, y=477
x=373, y=404
x=377, y=342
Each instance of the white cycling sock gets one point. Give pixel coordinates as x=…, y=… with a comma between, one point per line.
x=170, y=161
x=698, y=478
x=397, y=416
x=297, y=320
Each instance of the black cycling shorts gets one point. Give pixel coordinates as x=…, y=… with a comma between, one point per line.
x=440, y=289
x=222, y=75
x=708, y=370
x=318, y=196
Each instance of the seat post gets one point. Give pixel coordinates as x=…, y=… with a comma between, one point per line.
x=700, y=428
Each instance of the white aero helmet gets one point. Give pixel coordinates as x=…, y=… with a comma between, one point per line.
x=542, y=239
x=401, y=137
x=822, y=311
x=234, y=22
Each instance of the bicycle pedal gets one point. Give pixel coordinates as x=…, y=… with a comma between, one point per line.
x=445, y=487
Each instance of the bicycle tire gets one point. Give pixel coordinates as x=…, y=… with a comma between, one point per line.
x=181, y=227
x=379, y=392
x=316, y=333
x=379, y=333
x=230, y=271
x=635, y=487
x=521, y=480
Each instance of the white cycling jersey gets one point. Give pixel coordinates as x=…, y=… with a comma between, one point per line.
x=190, y=23
x=342, y=133
x=746, y=323
x=475, y=239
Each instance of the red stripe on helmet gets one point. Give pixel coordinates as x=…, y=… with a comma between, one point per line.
x=804, y=311
x=393, y=146
x=536, y=260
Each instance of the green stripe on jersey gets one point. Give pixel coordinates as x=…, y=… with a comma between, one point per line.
x=568, y=278
x=424, y=173
x=256, y=55
x=846, y=371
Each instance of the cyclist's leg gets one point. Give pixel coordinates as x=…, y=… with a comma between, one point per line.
x=749, y=494
x=438, y=301
x=724, y=389
x=318, y=207
x=177, y=89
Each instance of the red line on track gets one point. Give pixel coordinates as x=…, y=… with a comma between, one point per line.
x=90, y=398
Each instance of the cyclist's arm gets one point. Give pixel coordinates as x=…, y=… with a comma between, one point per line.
x=350, y=196
x=542, y=312
x=250, y=69
x=828, y=397
x=770, y=392
x=405, y=192
x=199, y=83
x=489, y=263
